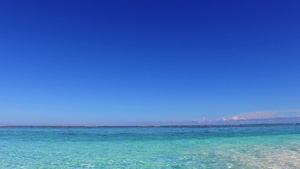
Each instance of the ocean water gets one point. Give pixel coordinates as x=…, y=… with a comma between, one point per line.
x=265, y=146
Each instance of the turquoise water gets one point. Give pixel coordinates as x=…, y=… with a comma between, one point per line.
x=150, y=147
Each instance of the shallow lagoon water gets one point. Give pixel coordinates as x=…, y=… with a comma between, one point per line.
x=263, y=146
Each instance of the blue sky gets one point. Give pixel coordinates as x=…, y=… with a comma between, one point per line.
x=85, y=62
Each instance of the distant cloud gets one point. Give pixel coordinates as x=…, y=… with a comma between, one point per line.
x=266, y=114
x=256, y=117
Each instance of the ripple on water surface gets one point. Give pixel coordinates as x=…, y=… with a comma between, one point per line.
x=160, y=147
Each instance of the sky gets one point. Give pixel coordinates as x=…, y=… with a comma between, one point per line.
x=78, y=62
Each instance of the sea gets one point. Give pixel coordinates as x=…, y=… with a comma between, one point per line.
x=213, y=147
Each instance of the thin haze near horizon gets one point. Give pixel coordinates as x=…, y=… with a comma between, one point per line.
x=86, y=62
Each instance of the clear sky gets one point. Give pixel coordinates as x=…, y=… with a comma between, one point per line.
x=84, y=62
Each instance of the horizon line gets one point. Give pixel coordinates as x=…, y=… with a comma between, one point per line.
x=107, y=126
